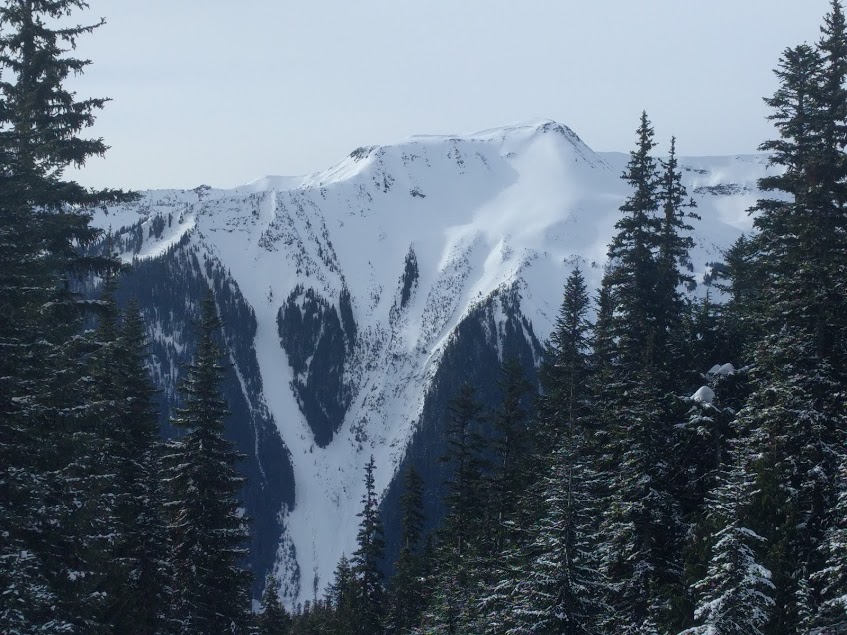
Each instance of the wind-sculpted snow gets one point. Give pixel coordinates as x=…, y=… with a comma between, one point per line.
x=495, y=219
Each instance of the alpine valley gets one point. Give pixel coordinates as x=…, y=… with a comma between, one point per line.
x=355, y=301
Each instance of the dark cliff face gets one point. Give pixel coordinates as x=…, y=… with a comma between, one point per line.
x=170, y=290
x=318, y=339
x=473, y=356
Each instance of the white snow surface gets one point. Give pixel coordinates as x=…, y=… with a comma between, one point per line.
x=519, y=205
x=704, y=394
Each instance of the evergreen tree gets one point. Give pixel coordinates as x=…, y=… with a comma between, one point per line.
x=140, y=548
x=367, y=561
x=790, y=227
x=510, y=470
x=633, y=270
x=565, y=368
x=408, y=595
x=411, y=505
x=273, y=618
x=796, y=401
x=642, y=525
x=828, y=187
x=465, y=530
x=341, y=598
x=675, y=243
x=735, y=597
x=832, y=578
x=50, y=517
x=207, y=526
x=490, y=569
x=466, y=500
x=794, y=409
x=555, y=582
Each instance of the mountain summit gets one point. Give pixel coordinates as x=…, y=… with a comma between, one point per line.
x=345, y=295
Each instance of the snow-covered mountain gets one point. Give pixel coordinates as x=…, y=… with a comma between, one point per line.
x=346, y=294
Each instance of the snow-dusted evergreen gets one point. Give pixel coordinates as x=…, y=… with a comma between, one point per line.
x=554, y=587
x=207, y=526
x=55, y=488
x=642, y=525
x=832, y=612
x=736, y=595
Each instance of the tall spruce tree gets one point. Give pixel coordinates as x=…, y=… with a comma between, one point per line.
x=408, y=597
x=140, y=548
x=829, y=185
x=494, y=565
x=633, y=269
x=796, y=401
x=675, y=243
x=735, y=596
x=464, y=532
x=466, y=499
x=367, y=562
x=207, y=526
x=565, y=368
x=49, y=514
x=642, y=526
x=510, y=472
x=557, y=588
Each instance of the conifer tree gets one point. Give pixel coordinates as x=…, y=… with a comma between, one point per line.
x=341, y=597
x=208, y=529
x=675, y=243
x=565, y=368
x=408, y=596
x=632, y=254
x=140, y=548
x=273, y=619
x=510, y=470
x=465, y=530
x=367, y=562
x=795, y=407
x=493, y=565
x=736, y=596
x=828, y=184
x=411, y=505
x=558, y=588
x=796, y=402
x=642, y=526
x=466, y=500
x=831, y=614
x=49, y=515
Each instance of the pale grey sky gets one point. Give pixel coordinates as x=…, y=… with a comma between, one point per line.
x=222, y=92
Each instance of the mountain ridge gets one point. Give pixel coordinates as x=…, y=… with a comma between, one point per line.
x=494, y=221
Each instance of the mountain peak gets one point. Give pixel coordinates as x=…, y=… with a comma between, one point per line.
x=510, y=141
x=493, y=219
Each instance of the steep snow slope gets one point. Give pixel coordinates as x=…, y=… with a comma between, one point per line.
x=512, y=208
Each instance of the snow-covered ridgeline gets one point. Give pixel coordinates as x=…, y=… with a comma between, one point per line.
x=515, y=206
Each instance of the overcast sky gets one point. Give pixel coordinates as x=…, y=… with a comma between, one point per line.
x=222, y=92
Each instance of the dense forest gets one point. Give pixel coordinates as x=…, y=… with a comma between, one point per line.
x=680, y=468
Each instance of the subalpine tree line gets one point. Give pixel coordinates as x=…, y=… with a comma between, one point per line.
x=682, y=469
x=104, y=527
